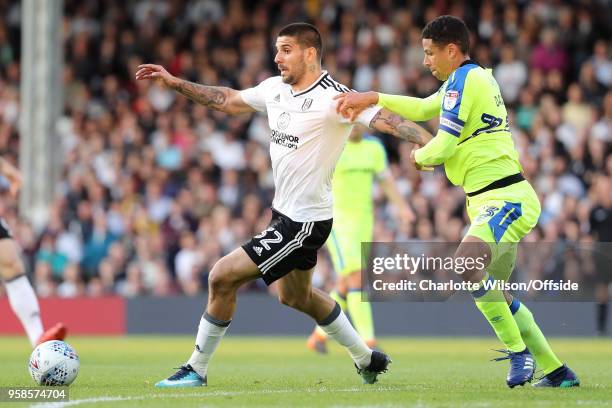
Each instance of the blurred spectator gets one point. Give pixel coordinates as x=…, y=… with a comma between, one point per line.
x=96, y=247
x=72, y=285
x=390, y=74
x=187, y=261
x=602, y=130
x=602, y=64
x=548, y=55
x=576, y=112
x=49, y=255
x=511, y=74
x=600, y=222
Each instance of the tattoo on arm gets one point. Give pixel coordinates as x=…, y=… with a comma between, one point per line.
x=212, y=96
x=375, y=119
x=407, y=131
x=397, y=126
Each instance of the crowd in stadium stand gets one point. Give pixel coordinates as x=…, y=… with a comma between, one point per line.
x=154, y=189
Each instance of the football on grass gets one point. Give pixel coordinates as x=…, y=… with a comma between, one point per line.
x=54, y=363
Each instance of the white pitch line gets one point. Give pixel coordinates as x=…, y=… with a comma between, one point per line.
x=94, y=400
x=59, y=404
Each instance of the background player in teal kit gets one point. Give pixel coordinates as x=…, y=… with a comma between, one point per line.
x=475, y=145
x=363, y=161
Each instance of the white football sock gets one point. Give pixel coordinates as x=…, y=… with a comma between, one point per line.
x=210, y=332
x=338, y=327
x=25, y=305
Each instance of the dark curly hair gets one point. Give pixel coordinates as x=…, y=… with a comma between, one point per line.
x=445, y=30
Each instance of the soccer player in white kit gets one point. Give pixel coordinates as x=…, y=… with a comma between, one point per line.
x=21, y=295
x=307, y=137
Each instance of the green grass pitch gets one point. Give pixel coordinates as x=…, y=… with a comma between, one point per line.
x=264, y=372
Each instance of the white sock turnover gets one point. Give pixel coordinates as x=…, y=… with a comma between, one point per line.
x=25, y=305
x=338, y=327
x=210, y=333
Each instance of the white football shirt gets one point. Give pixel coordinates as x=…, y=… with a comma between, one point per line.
x=307, y=138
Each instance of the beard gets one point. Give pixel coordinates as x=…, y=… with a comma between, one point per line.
x=289, y=79
x=296, y=75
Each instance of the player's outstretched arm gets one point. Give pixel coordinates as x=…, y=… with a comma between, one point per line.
x=221, y=98
x=388, y=122
x=351, y=104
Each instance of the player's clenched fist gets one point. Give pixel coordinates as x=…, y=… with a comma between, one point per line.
x=155, y=72
x=417, y=165
x=351, y=104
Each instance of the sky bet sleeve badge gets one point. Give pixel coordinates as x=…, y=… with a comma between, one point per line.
x=450, y=99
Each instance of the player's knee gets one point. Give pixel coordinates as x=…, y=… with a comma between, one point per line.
x=221, y=278
x=10, y=266
x=471, y=257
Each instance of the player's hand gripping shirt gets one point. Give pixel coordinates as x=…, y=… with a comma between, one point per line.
x=307, y=137
x=473, y=140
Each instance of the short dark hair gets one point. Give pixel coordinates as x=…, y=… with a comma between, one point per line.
x=445, y=30
x=306, y=34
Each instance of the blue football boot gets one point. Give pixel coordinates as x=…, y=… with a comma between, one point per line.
x=562, y=377
x=184, y=377
x=522, y=367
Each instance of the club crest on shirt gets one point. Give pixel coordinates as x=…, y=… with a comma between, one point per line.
x=283, y=121
x=306, y=104
x=450, y=99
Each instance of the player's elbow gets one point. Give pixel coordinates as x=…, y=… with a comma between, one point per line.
x=438, y=151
